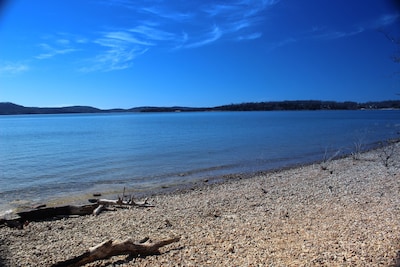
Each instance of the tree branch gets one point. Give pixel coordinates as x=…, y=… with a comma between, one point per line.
x=111, y=248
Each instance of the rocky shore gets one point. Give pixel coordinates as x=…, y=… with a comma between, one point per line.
x=344, y=212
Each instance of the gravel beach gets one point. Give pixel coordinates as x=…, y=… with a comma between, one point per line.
x=344, y=212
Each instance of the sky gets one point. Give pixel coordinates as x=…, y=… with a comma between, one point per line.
x=130, y=53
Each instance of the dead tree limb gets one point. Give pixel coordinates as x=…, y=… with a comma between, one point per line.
x=111, y=248
x=97, y=210
x=120, y=202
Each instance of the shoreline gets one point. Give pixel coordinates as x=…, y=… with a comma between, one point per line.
x=82, y=197
x=35, y=176
x=346, y=212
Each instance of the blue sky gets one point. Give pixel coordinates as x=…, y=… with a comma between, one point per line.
x=122, y=53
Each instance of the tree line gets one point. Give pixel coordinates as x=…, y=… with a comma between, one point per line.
x=13, y=109
x=309, y=105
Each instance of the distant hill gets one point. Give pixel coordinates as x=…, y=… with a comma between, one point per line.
x=166, y=109
x=7, y=108
x=10, y=108
x=14, y=109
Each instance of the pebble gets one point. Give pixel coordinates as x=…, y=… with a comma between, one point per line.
x=303, y=216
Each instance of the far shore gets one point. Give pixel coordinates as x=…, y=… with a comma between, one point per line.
x=342, y=212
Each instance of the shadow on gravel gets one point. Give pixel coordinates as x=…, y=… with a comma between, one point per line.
x=397, y=260
x=3, y=252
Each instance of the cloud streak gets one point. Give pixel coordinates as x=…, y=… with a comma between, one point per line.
x=137, y=27
x=13, y=68
x=213, y=36
x=234, y=18
x=56, y=45
x=174, y=26
x=251, y=36
x=385, y=20
x=322, y=33
x=51, y=51
x=113, y=59
x=338, y=34
x=119, y=49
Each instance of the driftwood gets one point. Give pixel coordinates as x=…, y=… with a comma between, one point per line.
x=22, y=218
x=42, y=212
x=120, y=203
x=97, y=210
x=111, y=248
x=45, y=213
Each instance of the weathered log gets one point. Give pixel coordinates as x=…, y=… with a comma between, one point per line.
x=51, y=212
x=111, y=248
x=19, y=219
x=44, y=213
x=120, y=202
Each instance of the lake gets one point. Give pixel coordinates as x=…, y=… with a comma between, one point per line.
x=43, y=157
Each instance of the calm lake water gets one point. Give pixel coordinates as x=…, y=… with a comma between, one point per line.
x=49, y=156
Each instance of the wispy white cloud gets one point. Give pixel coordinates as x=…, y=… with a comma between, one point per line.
x=121, y=37
x=152, y=33
x=175, y=27
x=238, y=20
x=338, y=34
x=251, y=36
x=239, y=25
x=323, y=33
x=181, y=40
x=385, y=20
x=165, y=21
x=241, y=8
x=113, y=59
x=52, y=51
x=160, y=24
x=212, y=36
x=221, y=9
x=117, y=52
x=59, y=44
x=13, y=68
x=316, y=33
x=258, y=6
x=165, y=13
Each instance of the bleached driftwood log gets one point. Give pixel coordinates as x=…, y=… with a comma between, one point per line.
x=97, y=210
x=111, y=248
x=121, y=202
x=126, y=201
